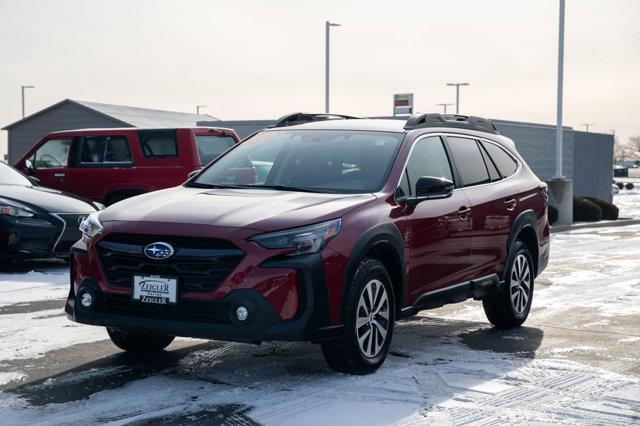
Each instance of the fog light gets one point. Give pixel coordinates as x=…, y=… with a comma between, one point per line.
x=242, y=313
x=86, y=300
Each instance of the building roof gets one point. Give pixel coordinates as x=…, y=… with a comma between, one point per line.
x=131, y=116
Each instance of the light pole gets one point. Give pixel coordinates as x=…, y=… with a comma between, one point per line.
x=444, y=106
x=559, y=174
x=457, y=94
x=327, y=28
x=22, y=90
x=198, y=108
x=586, y=125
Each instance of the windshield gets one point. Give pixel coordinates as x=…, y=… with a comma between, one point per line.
x=10, y=176
x=313, y=160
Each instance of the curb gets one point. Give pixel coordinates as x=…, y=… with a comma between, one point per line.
x=589, y=225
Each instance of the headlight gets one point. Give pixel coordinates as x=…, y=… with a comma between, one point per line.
x=309, y=239
x=14, y=209
x=91, y=225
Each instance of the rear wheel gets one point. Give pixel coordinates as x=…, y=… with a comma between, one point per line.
x=510, y=306
x=368, y=319
x=139, y=342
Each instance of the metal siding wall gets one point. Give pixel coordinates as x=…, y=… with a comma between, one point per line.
x=65, y=117
x=593, y=165
x=537, y=145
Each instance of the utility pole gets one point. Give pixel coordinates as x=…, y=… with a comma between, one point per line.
x=444, y=106
x=327, y=30
x=586, y=125
x=22, y=91
x=457, y=94
x=198, y=108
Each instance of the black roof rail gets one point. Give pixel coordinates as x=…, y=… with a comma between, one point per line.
x=303, y=117
x=480, y=124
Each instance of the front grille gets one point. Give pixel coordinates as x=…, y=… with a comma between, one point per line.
x=199, y=264
x=185, y=310
x=71, y=232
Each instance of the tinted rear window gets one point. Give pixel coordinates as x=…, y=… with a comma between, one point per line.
x=210, y=147
x=158, y=143
x=469, y=161
x=505, y=163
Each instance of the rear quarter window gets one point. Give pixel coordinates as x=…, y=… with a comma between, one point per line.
x=503, y=161
x=210, y=147
x=160, y=143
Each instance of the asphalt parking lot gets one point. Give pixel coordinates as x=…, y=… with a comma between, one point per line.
x=574, y=362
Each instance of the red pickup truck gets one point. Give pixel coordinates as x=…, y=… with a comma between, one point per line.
x=109, y=165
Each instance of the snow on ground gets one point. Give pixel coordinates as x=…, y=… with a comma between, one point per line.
x=33, y=286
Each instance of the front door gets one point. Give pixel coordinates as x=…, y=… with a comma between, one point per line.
x=49, y=163
x=438, y=231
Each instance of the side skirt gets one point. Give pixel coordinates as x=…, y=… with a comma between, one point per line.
x=476, y=289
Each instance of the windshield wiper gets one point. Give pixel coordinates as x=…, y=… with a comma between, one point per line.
x=213, y=186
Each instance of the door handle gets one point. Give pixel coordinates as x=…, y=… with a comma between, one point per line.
x=463, y=212
x=58, y=175
x=510, y=204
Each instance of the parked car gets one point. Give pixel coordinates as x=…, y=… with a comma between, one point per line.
x=109, y=165
x=620, y=171
x=37, y=222
x=327, y=231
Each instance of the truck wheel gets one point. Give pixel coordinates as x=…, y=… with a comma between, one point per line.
x=510, y=306
x=139, y=342
x=368, y=322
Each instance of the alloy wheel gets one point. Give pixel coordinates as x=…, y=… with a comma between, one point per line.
x=372, y=320
x=520, y=284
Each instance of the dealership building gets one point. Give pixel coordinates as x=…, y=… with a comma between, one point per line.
x=587, y=157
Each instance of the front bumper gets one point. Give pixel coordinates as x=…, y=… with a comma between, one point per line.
x=312, y=323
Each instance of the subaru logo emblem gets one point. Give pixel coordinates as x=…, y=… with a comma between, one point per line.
x=158, y=251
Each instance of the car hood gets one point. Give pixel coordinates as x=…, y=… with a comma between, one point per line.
x=262, y=210
x=46, y=199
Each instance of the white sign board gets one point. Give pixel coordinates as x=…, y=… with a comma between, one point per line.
x=402, y=103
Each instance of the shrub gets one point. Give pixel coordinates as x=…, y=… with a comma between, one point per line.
x=609, y=211
x=629, y=185
x=620, y=185
x=553, y=215
x=585, y=210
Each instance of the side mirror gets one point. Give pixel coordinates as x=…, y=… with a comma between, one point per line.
x=28, y=165
x=433, y=187
x=193, y=173
x=430, y=188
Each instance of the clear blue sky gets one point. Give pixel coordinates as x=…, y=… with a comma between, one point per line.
x=261, y=59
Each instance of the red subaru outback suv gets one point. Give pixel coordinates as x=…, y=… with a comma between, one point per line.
x=327, y=231
x=109, y=165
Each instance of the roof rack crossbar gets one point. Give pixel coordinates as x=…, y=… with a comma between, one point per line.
x=303, y=117
x=480, y=124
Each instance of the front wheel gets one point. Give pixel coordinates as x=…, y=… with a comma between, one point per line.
x=139, y=342
x=368, y=322
x=510, y=306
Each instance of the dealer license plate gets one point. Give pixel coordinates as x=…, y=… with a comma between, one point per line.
x=155, y=289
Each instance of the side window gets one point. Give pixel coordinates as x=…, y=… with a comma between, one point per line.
x=469, y=161
x=54, y=153
x=100, y=150
x=428, y=158
x=494, y=175
x=505, y=162
x=210, y=147
x=159, y=143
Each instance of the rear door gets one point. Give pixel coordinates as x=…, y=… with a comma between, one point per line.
x=100, y=164
x=50, y=163
x=438, y=231
x=492, y=203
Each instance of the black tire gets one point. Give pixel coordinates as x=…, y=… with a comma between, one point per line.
x=139, y=342
x=501, y=309
x=345, y=355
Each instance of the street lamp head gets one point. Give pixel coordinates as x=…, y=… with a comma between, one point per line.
x=28, y=87
x=457, y=84
x=331, y=24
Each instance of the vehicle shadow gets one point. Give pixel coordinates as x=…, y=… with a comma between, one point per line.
x=292, y=378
